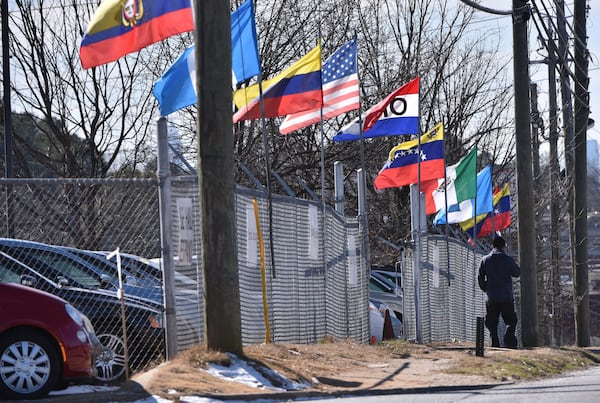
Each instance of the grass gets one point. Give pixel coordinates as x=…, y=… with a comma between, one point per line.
x=527, y=364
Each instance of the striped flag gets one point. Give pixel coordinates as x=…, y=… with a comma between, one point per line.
x=397, y=114
x=409, y=158
x=340, y=90
x=121, y=27
x=496, y=220
x=296, y=89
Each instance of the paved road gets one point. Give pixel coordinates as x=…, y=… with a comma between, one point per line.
x=580, y=387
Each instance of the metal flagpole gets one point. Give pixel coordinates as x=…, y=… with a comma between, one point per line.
x=363, y=216
x=417, y=240
x=265, y=139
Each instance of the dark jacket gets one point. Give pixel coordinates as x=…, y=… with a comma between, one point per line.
x=495, y=275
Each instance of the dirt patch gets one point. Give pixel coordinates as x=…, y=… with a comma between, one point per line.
x=335, y=365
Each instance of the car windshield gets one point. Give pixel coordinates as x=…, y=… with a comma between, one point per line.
x=53, y=266
x=390, y=278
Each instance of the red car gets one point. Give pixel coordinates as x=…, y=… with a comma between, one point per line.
x=45, y=343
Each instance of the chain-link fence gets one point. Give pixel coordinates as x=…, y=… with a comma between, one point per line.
x=71, y=226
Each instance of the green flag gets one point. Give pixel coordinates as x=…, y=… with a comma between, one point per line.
x=461, y=182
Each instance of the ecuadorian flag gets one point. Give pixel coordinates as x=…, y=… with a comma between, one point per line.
x=296, y=89
x=120, y=27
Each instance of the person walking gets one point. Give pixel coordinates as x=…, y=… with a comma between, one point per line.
x=496, y=271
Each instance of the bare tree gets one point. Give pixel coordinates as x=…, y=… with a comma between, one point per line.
x=101, y=118
x=93, y=120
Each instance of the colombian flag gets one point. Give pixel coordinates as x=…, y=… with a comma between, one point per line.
x=120, y=27
x=294, y=90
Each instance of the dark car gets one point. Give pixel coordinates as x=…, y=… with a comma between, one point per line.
x=77, y=267
x=151, y=286
x=45, y=343
x=144, y=330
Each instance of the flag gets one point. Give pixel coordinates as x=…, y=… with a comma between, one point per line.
x=296, y=89
x=176, y=89
x=404, y=162
x=340, y=90
x=428, y=188
x=397, y=114
x=460, y=184
x=462, y=211
x=496, y=220
x=121, y=27
x=244, y=46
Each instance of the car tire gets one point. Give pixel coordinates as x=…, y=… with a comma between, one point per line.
x=110, y=362
x=30, y=365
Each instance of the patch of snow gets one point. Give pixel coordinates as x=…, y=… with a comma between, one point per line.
x=241, y=371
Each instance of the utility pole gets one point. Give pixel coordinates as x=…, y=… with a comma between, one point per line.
x=581, y=297
x=527, y=252
x=8, y=153
x=554, y=206
x=216, y=180
x=526, y=205
x=536, y=126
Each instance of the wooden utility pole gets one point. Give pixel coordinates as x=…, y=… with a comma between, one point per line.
x=581, y=297
x=216, y=176
x=554, y=205
x=536, y=126
x=526, y=205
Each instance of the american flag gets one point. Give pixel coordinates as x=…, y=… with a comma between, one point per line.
x=340, y=90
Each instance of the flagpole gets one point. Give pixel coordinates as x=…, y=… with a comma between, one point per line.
x=324, y=221
x=417, y=271
x=363, y=216
x=446, y=210
x=265, y=139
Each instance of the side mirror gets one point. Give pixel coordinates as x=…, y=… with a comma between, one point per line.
x=105, y=281
x=28, y=280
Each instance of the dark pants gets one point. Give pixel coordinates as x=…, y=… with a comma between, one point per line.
x=509, y=316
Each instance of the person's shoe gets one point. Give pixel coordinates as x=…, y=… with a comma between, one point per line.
x=510, y=340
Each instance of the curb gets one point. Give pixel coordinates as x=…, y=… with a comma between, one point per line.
x=293, y=395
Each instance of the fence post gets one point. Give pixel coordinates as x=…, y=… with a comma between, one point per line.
x=479, y=337
x=164, y=201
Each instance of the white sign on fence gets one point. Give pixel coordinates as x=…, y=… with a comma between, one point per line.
x=251, y=237
x=436, y=266
x=185, y=214
x=352, y=262
x=315, y=231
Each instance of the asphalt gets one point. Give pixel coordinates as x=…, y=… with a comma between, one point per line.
x=132, y=391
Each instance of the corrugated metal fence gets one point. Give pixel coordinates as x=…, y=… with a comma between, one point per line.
x=450, y=299
x=313, y=288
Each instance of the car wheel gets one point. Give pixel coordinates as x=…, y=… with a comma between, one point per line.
x=29, y=365
x=110, y=362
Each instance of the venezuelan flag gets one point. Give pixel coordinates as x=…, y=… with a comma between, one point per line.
x=120, y=27
x=296, y=89
x=404, y=163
